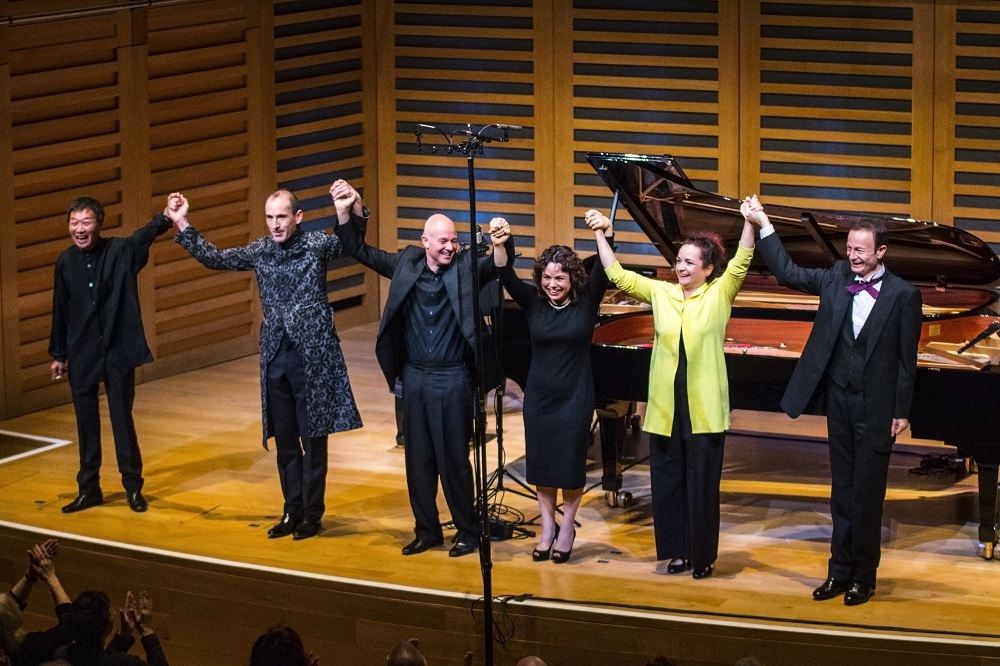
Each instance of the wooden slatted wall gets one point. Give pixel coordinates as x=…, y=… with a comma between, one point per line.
x=830, y=104
x=322, y=110
x=62, y=101
x=209, y=130
x=450, y=66
x=838, y=105
x=644, y=77
x=967, y=118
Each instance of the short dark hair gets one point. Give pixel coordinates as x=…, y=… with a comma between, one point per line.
x=877, y=229
x=571, y=264
x=279, y=646
x=86, y=203
x=713, y=253
x=89, y=619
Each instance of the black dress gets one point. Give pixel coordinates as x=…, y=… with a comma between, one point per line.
x=559, y=395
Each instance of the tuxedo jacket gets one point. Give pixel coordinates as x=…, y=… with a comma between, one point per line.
x=890, y=361
x=403, y=268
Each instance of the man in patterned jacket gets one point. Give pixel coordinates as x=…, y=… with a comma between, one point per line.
x=305, y=390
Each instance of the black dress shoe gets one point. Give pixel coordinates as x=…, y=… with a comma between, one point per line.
x=858, y=594
x=137, y=502
x=831, y=587
x=84, y=501
x=284, y=527
x=307, y=528
x=463, y=548
x=420, y=544
x=675, y=568
x=703, y=572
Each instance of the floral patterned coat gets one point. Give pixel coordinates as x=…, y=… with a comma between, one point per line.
x=291, y=280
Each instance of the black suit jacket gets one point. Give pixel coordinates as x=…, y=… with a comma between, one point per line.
x=403, y=268
x=891, y=354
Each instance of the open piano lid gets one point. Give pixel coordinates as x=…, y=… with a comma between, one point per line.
x=663, y=201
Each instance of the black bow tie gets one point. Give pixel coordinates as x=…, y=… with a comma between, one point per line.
x=868, y=286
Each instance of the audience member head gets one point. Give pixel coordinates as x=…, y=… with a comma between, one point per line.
x=11, y=619
x=531, y=660
x=748, y=661
x=406, y=654
x=90, y=621
x=279, y=646
x=660, y=660
x=559, y=274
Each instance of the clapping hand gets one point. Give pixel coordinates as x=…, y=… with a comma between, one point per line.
x=499, y=230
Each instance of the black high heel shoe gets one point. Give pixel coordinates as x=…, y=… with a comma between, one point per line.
x=542, y=555
x=678, y=566
x=562, y=556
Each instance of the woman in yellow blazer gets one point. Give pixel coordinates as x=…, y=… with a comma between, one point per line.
x=687, y=413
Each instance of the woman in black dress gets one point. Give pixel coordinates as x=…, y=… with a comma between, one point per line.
x=561, y=310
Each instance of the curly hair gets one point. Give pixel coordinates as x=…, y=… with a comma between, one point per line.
x=571, y=264
x=712, y=251
x=11, y=619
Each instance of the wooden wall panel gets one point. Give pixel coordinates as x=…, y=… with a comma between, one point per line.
x=967, y=118
x=451, y=68
x=61, y=100
x=200, y=88
x=320, y=111
x=651, y=78
x=837, y=111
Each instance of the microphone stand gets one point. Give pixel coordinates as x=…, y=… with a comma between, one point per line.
x=470, y=146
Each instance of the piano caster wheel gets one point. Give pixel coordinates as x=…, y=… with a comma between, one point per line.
x=622, y=498
x=986, y=550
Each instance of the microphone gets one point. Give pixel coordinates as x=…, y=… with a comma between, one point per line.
x=508, y=127
x=987, y=332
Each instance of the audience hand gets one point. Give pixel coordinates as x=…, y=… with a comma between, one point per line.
x=4, y=659
x=597, y=221
x=139, y=614
x=40, y=559
x=499, y=230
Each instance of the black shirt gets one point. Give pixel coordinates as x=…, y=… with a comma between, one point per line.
x=433, y=337
x=96, y=321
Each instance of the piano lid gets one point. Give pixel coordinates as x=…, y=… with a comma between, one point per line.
x=668, y=207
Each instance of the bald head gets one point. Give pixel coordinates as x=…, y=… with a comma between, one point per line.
x=405, y=654
x=531, y=661
x=440, y=241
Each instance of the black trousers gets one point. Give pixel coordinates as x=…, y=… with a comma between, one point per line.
x=302, y=460
x=120, y=393
x=437, y=420
x=859, y=475
x=685, y=471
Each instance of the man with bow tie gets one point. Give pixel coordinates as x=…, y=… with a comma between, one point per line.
x=862, y=352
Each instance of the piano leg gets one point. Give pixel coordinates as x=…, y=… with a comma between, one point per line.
x=988, y=511
x=613, y=419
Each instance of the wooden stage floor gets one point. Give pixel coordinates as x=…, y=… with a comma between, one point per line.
x=213, y=492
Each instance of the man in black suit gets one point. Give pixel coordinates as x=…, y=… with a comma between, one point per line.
x=863, y=350
x=97, y=338
x=426, y=339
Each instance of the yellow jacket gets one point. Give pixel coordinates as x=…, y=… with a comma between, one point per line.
x=702, y=317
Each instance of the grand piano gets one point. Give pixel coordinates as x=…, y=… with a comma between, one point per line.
x=957, y=392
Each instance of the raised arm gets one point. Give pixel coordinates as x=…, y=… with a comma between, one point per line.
x=351, y=229
x=600, y=224
x=499, y=234
x=232, y=259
